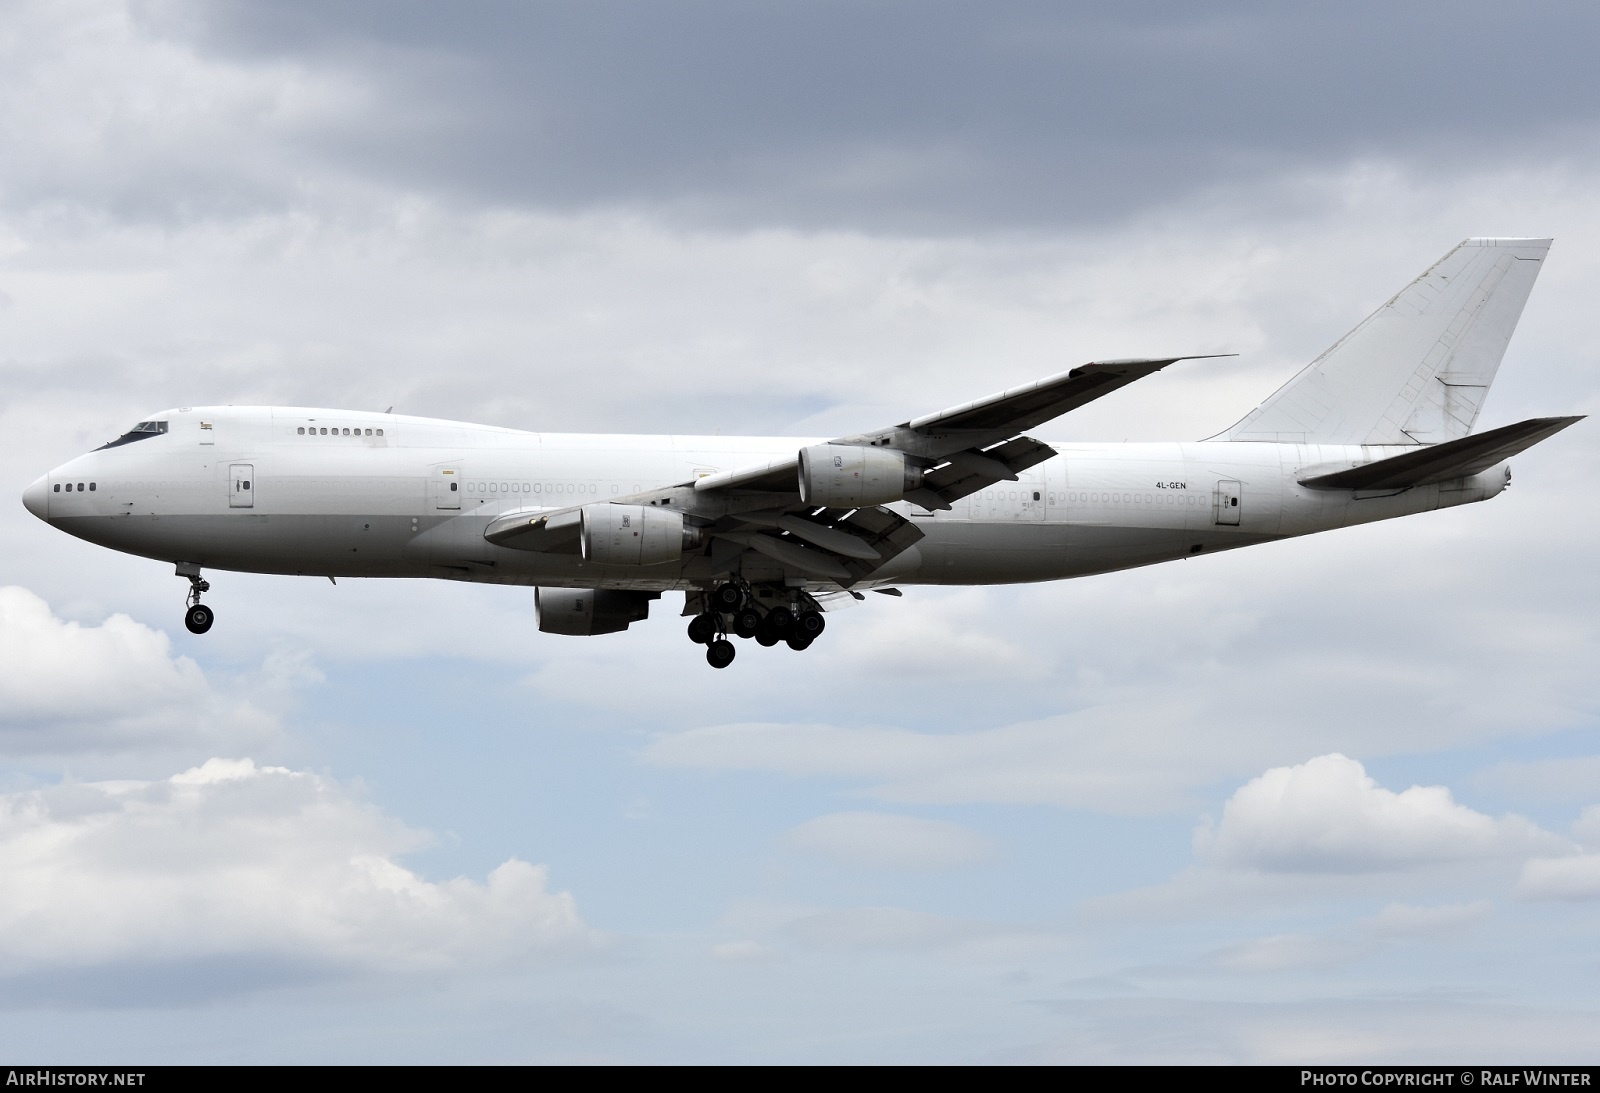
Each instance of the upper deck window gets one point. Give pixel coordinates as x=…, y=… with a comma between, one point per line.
x=142, y=431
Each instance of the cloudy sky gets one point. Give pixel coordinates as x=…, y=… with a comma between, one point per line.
x=1335, y=799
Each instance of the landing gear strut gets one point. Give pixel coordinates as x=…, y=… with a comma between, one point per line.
x=198, y=618
x=733, y=607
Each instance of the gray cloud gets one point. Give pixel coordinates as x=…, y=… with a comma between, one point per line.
x=900, y=116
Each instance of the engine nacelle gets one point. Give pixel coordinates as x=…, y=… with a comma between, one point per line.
x=585, y=611
x=849, y=476
x=634, y=534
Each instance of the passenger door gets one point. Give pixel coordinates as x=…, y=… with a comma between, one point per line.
x=446, y=488
x=1228, y=502
x=241, y=486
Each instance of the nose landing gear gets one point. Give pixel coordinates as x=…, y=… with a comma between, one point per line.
x=198, y=618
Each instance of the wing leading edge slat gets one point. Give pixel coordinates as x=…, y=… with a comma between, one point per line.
x=1007, y=413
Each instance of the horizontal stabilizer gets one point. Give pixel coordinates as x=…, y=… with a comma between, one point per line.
x=1442, y=462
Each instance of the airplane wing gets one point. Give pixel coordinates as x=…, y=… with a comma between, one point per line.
x=951, y=454
x=1441, y=462
x=972, y=446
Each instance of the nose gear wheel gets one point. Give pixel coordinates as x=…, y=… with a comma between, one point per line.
x=198, y=618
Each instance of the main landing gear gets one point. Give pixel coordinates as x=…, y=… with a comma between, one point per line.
x=198, y=618
x=734, y=607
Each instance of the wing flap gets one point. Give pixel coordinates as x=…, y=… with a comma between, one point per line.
x=791, y=553
x=848, y=549
x=1442, y=462
x=889, y=533
x=970, y=471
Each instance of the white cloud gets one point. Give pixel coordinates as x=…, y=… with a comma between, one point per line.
x=1328, y=815
x=245, y=867
x=1286, y=952
x=1566, y=877
x=1080, y=759
x=1409, y=920
x=1586, y=828
x=745, y=952
x=1395, y=924
x=1574, y=878
x=878, y=840
x=883, y=928
x=65, y=687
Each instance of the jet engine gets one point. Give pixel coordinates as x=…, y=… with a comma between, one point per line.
x=849, y=476
x=634, y=534
x=586, y=611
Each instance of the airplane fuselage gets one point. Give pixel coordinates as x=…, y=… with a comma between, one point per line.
x=357, y=494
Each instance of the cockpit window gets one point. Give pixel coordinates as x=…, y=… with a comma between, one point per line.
x=142, y=431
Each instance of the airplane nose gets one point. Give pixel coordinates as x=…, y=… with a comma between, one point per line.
x=37, y=497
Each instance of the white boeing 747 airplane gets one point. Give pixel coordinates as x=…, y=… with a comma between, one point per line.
x=760, y=533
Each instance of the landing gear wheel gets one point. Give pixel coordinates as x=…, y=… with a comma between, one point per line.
x=727, y=597
x=810, y=624
x=720, y=653
x=702, y=631
x=798, y=642
x=199, y=618
x=767, y=639
x=747, y=622
x=779, y=621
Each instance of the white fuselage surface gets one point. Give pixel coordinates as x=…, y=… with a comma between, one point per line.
x=359, y=494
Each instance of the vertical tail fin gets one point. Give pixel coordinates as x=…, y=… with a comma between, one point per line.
x=1418, y=369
